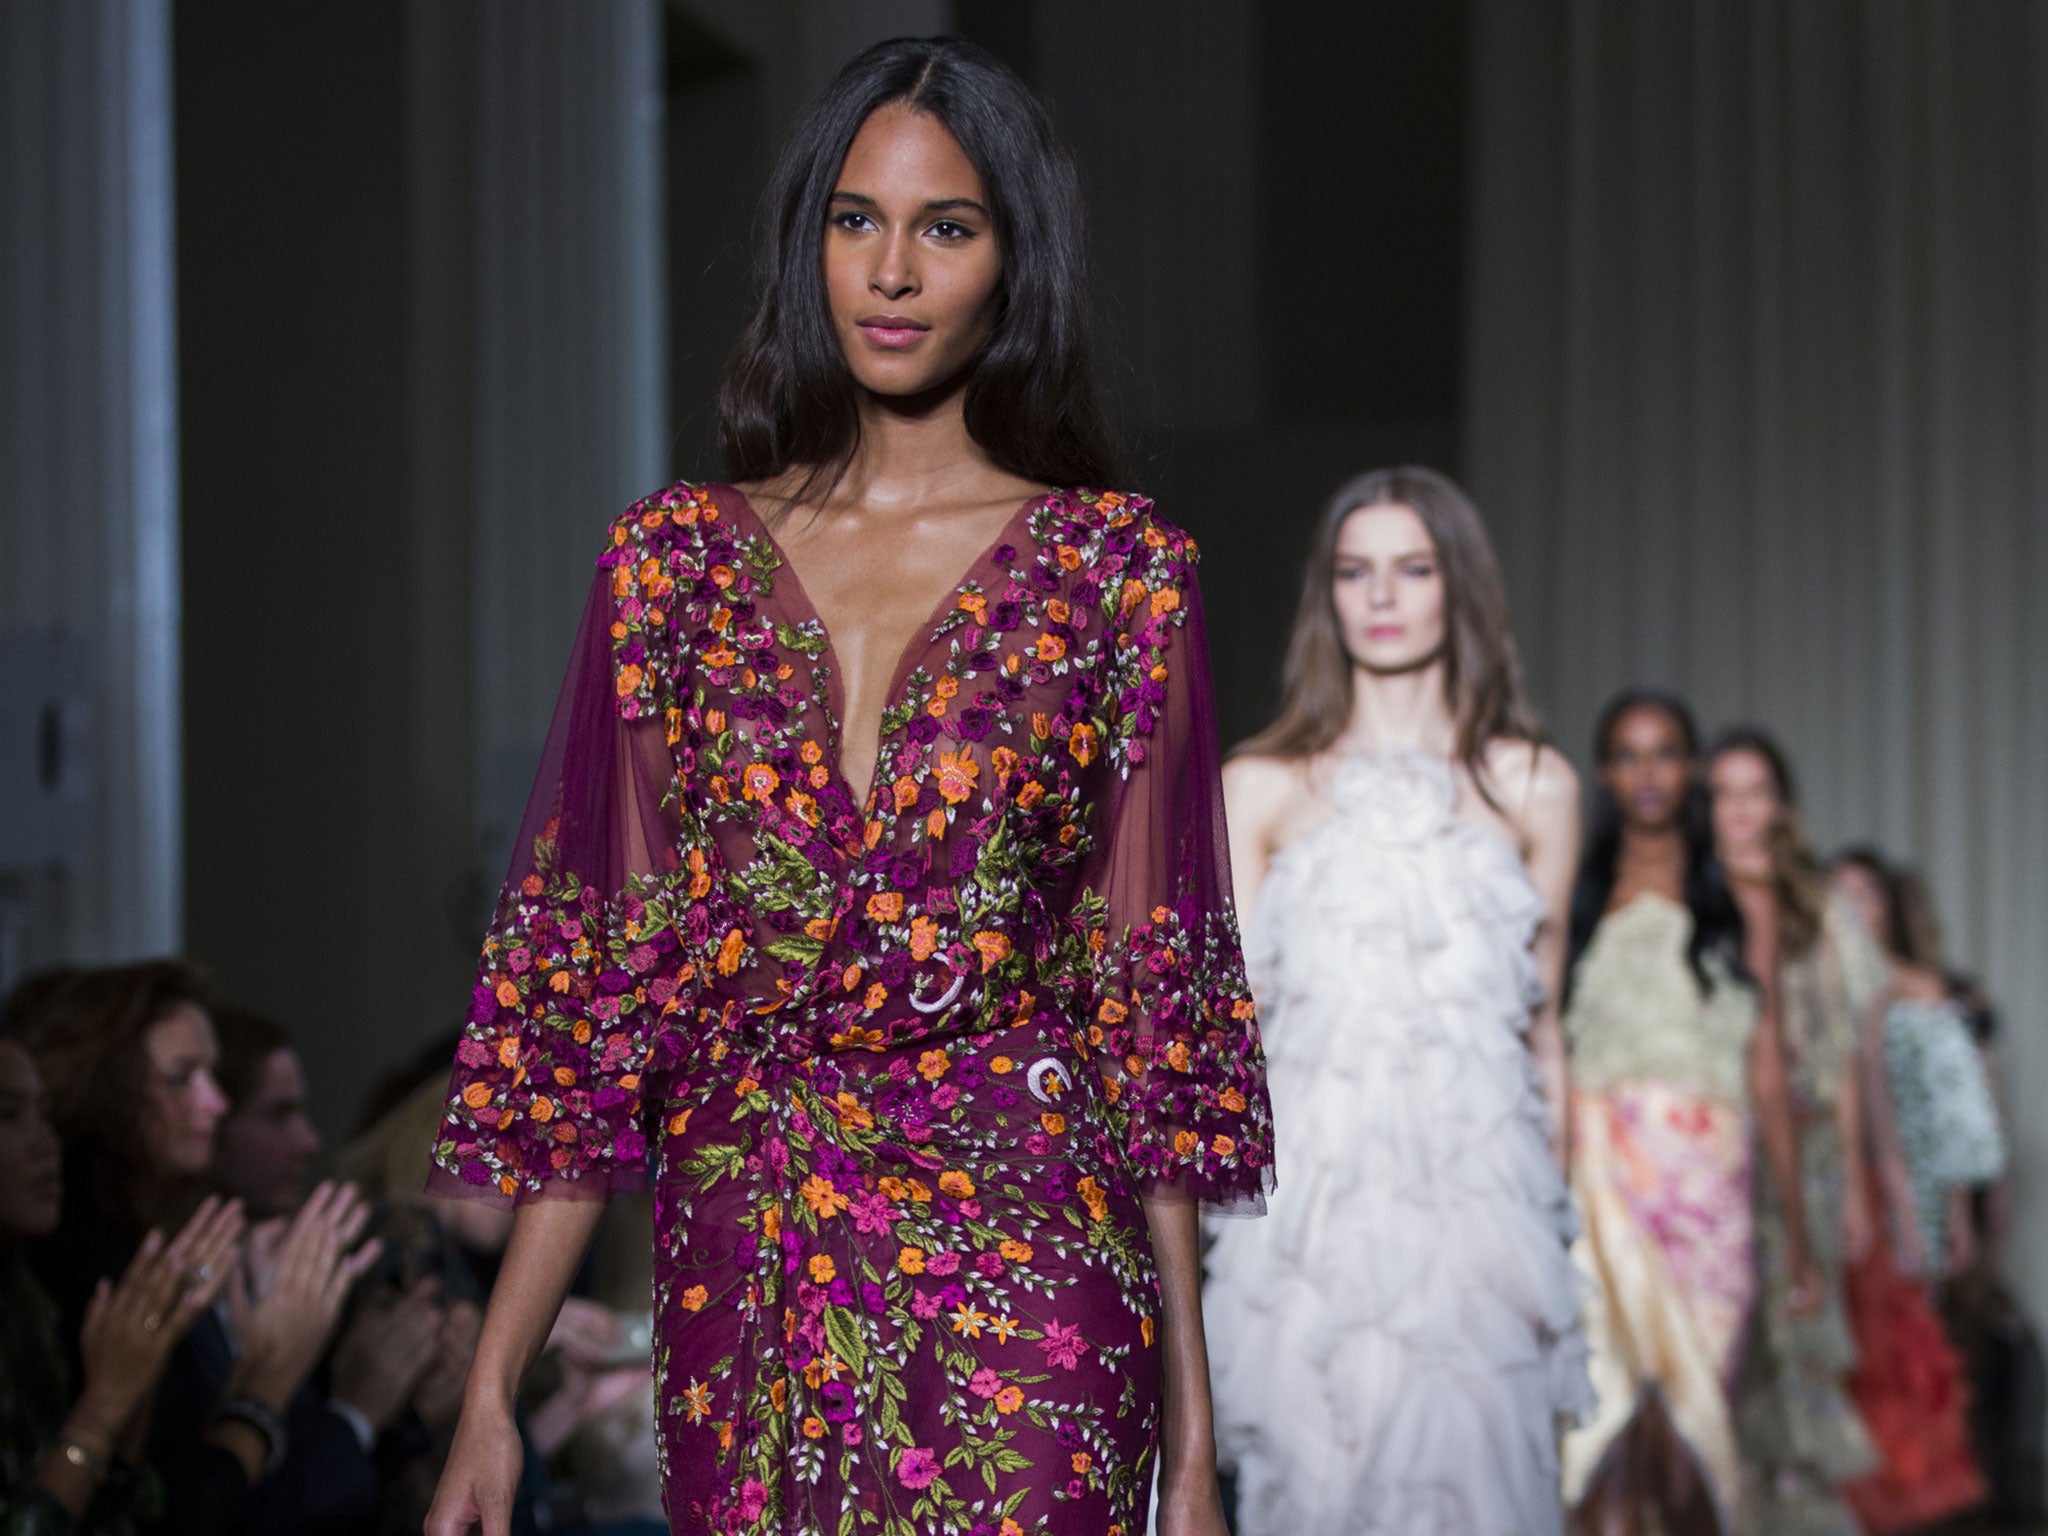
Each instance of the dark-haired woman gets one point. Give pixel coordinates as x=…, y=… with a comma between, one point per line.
x=1934, y=1131
x=1801, y=1436
x=74, y=1463
x=1677, y=1063
x=1396, y=1344
x=873, y=899
x=127, y=1056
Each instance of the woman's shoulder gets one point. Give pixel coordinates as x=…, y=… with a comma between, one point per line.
x=1531, y=783
x=1117, y=527
x=683, y=513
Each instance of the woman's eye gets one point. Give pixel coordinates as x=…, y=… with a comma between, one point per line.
x=1420, y=570
x=946, y=229
x=851, y=220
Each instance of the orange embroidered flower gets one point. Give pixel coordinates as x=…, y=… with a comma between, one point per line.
x=885, y=906
x=759, y=782
x=1082, y=1461
x=924, y=938
x=876, y=996
x=994, y=949
x=771, y=1223
x=476, y=1095
x=946, y=687
x=911, y=1261
x=905, y=791
x=679, y=1122
x=822, y=1198
x=1055, y=1124
x=822, y=1268
x=1001, y=1065
x=1231, y=1100
x=507, y=995
x=629, y=679
x=935, y=824
x=1058, y=611
x=1223, y=1146
x=1050, y=648
x=958, y=773
x=955, y=1183
x=1004, y=761
x=1082, y=743
x=1145, y=1330
x=530, y=886
x=714, y=721
x=1184, y=1143
x=730, y=952
x=814, y=1427
x=893, y=1188
x=723, y=576
x=1030, y=795
x=543, y=1110
x=853, y=1115
x=1112, y=1011
x=1177, y=1055
x=1009, y=1400
x=1165, y=600
x=1069, y=558
x=564, y=1078
x=694, y=1298
x=508, y=1051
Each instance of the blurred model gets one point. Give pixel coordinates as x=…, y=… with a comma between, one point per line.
x=1394, y=1346
x=1934, y=1133
x=1800, y=1434
x=873, y=897
x=1679, y=1065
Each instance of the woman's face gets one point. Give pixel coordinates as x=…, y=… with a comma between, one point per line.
x=912, y=269
x=1746, y=804
x=1866, y=896
x=185, y=1103
x=264, y=1151
x=1388, y=589
x=1647, y=768
x=31, y=1160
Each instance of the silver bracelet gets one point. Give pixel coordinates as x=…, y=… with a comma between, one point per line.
x=259, y=1417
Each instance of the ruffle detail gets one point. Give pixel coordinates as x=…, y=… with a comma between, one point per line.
x=1394, y=1346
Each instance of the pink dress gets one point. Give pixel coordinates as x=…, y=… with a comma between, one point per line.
x=898, y=1071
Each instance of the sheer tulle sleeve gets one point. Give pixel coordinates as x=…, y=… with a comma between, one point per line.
x=1184, y=1068
x=581, y=960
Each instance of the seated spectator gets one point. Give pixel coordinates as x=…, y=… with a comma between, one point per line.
x=70, y=1460
x=263, y=1156
x=128, y=1057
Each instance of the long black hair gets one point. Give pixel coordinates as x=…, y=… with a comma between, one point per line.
x=1717, y=927
x=789, y=398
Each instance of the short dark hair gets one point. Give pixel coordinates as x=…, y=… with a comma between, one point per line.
x=247, y=1042
x=789, y=398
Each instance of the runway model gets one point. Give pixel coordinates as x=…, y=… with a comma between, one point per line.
x=1801, y=1436
x=873, y=899
x=1395, y=1346
x=1677, y=1064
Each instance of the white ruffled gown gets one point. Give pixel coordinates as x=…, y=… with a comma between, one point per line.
x=1395, y=1347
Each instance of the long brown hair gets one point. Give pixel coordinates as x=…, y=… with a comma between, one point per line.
x=1482, y=672
x=86, y=1032
x=1796, y=877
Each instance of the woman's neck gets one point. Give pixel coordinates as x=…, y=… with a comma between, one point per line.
x=1754, y=865
x=1397, y=711
x=913, y=455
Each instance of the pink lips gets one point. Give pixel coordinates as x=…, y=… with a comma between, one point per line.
x=892, y=331
x=1385, y=632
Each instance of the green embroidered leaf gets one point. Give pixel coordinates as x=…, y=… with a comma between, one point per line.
x=797, y=948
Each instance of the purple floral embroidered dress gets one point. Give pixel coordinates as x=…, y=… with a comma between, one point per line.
x=898, y=1072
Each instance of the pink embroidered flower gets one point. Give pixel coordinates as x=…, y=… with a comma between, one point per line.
x=1063, y=1345
x=916, y=1467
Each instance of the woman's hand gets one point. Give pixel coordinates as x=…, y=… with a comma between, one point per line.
x=480, y=1482
x=285, y=1330
x=133, y=1324
x=386, y=1351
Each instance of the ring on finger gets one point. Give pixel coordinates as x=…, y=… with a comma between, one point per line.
x=151, y=1323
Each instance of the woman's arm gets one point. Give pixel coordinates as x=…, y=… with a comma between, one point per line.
x=1189, y=1502
x=1550, y=834
x=1859, y=1215
x=481, y=1479
x=1255, y=791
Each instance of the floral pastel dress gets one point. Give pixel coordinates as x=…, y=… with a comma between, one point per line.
x=898, y=1071
x=1661, y=1168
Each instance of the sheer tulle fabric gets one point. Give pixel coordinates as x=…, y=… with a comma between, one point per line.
x=901, y=1068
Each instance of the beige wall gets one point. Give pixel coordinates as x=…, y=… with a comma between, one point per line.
x=1758, y=404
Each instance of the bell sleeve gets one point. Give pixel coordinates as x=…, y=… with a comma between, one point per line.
x=1173, y=1023
x=582, y=960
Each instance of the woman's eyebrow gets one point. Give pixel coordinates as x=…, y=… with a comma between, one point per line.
x=935, y=205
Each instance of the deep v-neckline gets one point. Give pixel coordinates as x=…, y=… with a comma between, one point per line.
x=791, y=586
